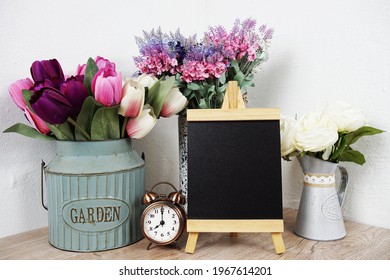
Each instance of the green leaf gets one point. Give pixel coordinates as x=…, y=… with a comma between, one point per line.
x=187, y=92
x=62, y=131
x=193, y=86
x=354, y=136
x=222, y=79
x=211, y=90
x=84, y=119
x=340, y=149
x=353, y=156
x=158, y=93
x=105, y=124
x=235, y=65
x=222, y=89
x=239, y=77
x=260, y=55
x=27, y=96
x=203, y=104
x=28, y=131
x=90, y=71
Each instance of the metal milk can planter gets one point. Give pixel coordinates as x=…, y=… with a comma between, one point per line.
x=319, y=214
x=94, y=192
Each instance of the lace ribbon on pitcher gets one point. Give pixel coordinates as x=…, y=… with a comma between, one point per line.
x=319, y=180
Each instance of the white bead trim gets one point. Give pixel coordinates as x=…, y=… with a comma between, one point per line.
x=319, y=179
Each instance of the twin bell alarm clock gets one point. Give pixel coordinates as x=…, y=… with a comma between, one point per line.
x=164, y=219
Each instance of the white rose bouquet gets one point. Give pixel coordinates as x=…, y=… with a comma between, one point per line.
x=327, y=134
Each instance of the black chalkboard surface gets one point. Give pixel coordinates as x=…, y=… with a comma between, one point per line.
x=234, y=169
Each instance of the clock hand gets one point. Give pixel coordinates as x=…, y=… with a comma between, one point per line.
x=156, y=226
x=162, y=216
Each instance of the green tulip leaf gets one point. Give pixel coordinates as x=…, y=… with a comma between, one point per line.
x=27, y=96
x=90, y=71
x=354, y=136
x=28, y=131
x=63, y=131
x=105, y=124
x=84, y=119
x=158, y=93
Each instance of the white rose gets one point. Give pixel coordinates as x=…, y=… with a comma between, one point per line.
x=315, y=132
x=146, y=80
x=287, y=135
x=346, y=116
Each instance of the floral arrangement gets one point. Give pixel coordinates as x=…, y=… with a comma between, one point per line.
x=93, y=104
x=326, y=134
x=203, y=68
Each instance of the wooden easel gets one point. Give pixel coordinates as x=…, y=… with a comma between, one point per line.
x=234, y=100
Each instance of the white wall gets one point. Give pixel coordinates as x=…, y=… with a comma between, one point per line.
x=322, y=50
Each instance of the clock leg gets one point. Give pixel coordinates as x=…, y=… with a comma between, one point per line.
x=277, y=239
x=191, y=242
x=150, y=244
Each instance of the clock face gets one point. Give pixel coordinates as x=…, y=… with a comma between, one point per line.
x=162, y=222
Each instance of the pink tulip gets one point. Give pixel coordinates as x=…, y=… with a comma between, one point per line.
x=103, y=63
x=133, y=99
x=107, y=87
x=81, y=69
x=36, y=121
x=15, y=90
x=138, y=127
x=173, y=103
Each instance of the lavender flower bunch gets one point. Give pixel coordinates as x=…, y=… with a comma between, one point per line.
x=204, y=67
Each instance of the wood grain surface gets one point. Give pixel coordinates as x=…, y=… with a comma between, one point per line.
x=362, y=242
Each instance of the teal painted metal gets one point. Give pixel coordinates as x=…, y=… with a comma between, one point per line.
x=94, y=192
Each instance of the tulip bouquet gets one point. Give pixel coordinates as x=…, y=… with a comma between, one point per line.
x=93, y=104
x=327, y=134
x=203, y=68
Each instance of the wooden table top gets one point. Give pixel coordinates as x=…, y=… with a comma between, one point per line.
x=362, y=242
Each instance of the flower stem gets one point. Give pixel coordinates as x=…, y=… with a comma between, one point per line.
x=75, y=124
x=124, y=127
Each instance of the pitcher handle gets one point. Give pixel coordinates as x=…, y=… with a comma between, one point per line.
x=343, y=184
x=42, y=170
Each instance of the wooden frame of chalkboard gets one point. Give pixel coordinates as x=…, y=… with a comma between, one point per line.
x=234, y=171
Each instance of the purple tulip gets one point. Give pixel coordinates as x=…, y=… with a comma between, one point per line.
x=51, y=105
x=107, y=86
x=47, y=69
x=16, y=92
x=74, y=90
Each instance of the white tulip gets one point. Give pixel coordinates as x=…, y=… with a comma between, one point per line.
x=173, y=103
x=346, y=116
x=146, y=80
x=139, y=127
x=133, y=99
x=287, y=135
x=315, y=132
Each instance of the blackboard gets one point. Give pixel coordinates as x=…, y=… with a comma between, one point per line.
x=234, y=168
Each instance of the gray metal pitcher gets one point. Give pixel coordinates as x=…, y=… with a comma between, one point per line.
x=319, y=215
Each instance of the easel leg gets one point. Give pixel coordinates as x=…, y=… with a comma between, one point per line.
x=277, y=239
x=191, y=242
